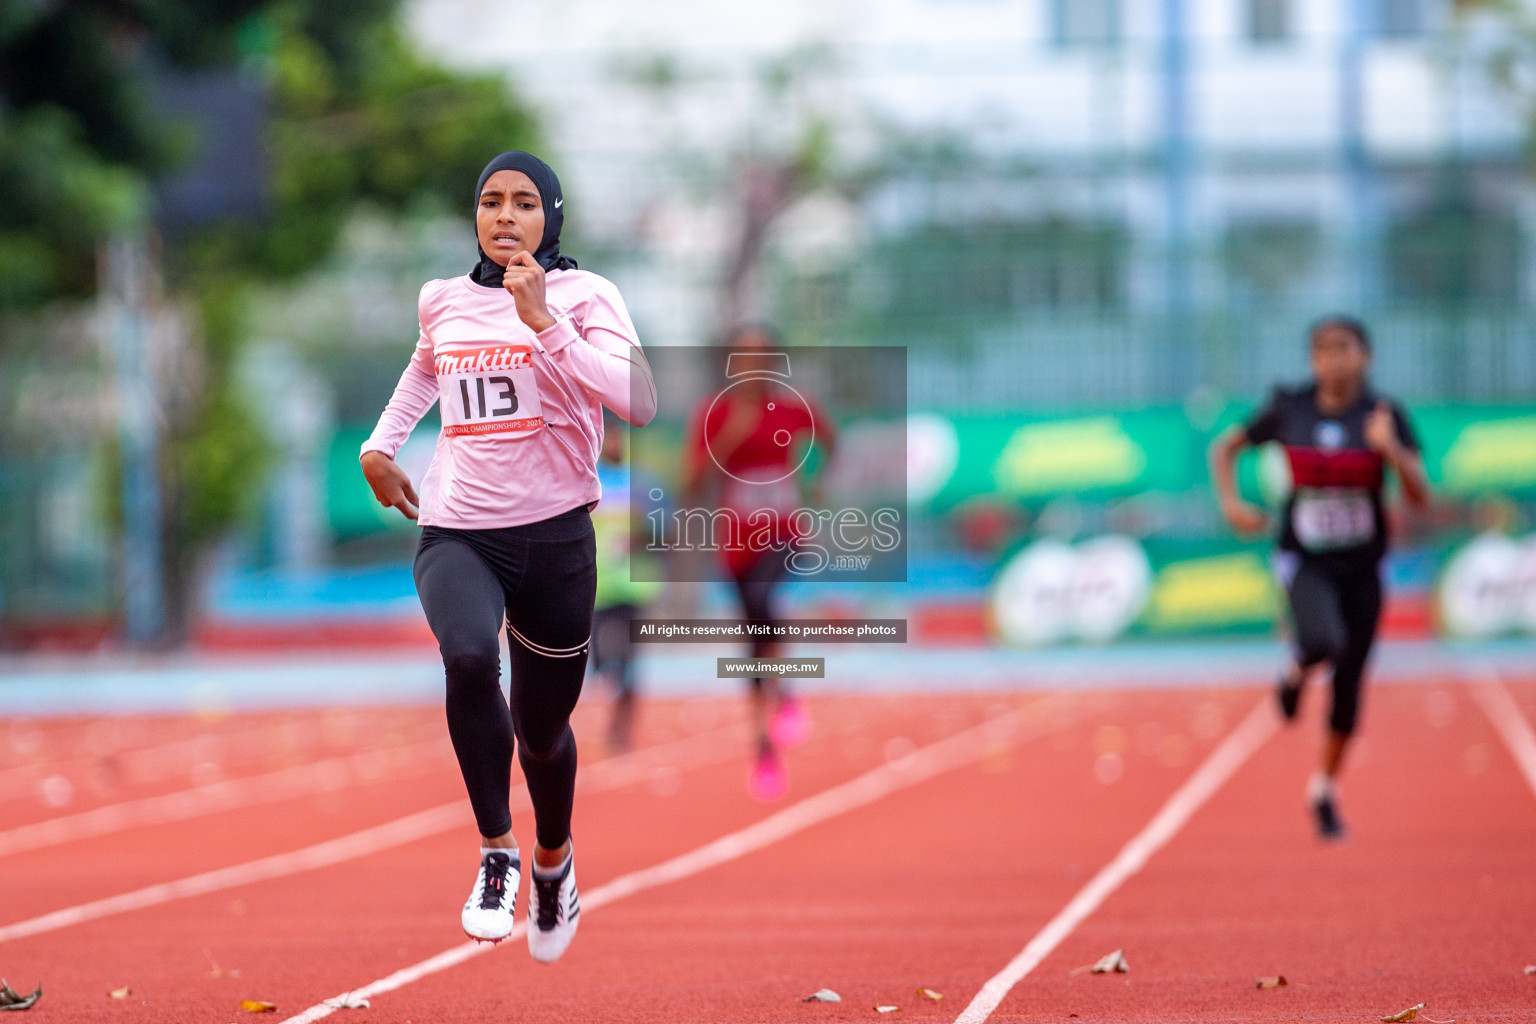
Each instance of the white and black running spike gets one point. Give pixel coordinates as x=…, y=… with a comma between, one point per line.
x=489, y=911
x=554, y=910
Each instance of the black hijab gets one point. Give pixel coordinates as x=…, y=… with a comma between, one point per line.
x=488, y=272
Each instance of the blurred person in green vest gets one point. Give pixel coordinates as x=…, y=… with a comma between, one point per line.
x=620, y=596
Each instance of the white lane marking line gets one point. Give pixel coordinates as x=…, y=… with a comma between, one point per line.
x=1225, y=760
x=1508, y=721
x=920, y=765
x=149, y=764
x=333, y=851
x=430, y=822
x=373, y=765
x=330, y=775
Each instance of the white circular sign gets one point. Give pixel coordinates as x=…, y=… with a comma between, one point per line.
x=1110, y=587
x=933, y=452
x=1032, y=599
x=1480, y=590
x=1053, y=591
x=1525, y=582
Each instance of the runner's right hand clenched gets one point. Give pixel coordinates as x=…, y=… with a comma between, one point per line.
x=391, y=484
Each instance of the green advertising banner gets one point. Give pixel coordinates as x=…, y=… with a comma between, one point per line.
x=1471, y=450
x=1102, y=588
x=1468, y=450
x=1032, y=459
x=1218, y=588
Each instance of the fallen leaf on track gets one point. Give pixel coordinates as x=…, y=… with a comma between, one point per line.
x=1530, y=968
x=929, y=993
x=1278, y=981
x=257, y=1006
x=1411, y=1013
x=120, y=993
x=347, y=1002
x=1109, y=963
x=823, y=995
x=886, y=1009
x=10, y=999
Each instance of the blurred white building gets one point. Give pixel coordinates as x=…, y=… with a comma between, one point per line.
x=1173, y=186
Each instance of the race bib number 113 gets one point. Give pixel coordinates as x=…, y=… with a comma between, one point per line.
x=489, y=391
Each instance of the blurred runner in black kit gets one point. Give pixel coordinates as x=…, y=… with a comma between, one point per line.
x=1340, y=438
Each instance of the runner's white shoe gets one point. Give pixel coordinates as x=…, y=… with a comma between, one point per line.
x=487, y=913
x=553, y=911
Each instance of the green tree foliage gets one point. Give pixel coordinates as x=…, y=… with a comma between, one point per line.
x=79, y=137
x=354, y=116
x=357, y=116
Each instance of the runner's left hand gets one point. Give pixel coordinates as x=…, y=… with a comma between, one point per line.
x=524, y=281
x=1381, y=429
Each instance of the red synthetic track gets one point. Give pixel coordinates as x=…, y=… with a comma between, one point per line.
x=936, y=885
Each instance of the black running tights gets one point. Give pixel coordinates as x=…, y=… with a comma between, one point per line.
x=1335, y=607
x=539, y=580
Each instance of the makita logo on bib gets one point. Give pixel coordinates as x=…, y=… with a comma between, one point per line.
x=501, y=357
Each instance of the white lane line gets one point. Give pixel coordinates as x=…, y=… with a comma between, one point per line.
x=1226, y=759
x=637, y=766
x=149, y=765
x=141, y=765
x=333, y=851
x=329, y=775
x=958, y=750
x=1508, y=721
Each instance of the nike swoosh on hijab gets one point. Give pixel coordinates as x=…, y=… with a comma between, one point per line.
x=488, y=272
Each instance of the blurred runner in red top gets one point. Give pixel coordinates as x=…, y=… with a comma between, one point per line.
x=750, y=443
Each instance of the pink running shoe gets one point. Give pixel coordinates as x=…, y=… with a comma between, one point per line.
x=791, y=725
x=769, y=779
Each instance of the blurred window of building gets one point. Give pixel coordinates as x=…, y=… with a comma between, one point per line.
x=1454, y=255
x=1001, y=271
x=1268, y=260
x=1085, y=22
x=1401, y=19
x=1269, y=21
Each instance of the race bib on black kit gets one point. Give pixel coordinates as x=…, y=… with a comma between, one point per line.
x=1331, y=518
x=489, y=391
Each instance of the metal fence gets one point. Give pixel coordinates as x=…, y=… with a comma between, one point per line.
x=1422, y=352
x=1060, y=321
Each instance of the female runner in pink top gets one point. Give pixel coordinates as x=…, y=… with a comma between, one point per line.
x=520, y=355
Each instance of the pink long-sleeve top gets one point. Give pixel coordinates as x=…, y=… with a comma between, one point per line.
x=522, y=412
